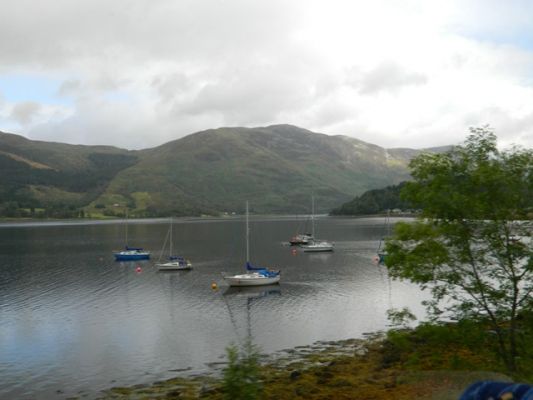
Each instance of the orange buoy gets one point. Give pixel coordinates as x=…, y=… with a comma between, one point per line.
x=214, y=286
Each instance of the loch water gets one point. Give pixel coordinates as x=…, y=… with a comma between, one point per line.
x=74, y=322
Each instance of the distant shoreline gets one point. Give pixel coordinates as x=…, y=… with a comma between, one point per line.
x=21, y=222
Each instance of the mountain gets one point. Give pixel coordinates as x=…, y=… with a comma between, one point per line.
x=54, y=176
x=277, y=168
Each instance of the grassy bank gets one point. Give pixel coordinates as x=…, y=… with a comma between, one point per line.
x=431, y=362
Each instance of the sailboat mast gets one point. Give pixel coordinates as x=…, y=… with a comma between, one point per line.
x=171, y=227
x=126, y=227
x=313, y=216
x=247, y=235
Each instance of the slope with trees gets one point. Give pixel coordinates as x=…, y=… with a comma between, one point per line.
x=374, y=201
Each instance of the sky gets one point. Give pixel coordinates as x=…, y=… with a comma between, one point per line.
x=139, y=73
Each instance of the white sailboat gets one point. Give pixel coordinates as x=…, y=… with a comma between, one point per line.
x=316, y=245
x=382, y=253
x=174, y=263
x=255, y=276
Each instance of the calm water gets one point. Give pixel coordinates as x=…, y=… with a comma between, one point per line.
x=74, y=321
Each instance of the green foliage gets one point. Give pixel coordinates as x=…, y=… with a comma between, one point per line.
x=400, y=318
x=374, y=201
x=472, y=247
x=463, y=345
x=241, y=380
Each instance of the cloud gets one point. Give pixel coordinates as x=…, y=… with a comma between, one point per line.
x=25, y=112
x=387, y=76
x=137, y=73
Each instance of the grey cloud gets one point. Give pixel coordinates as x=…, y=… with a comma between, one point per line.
x=25, y=112
x=509, y=129
x=69, y=87
x=387, y=76
x=125, y=34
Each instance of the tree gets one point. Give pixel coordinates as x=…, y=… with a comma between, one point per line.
x=472, y=245
x=241, y=377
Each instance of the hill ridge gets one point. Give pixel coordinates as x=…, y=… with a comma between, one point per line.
x=276, y=167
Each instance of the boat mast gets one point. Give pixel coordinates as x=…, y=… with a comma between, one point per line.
x=247, y=235
x=126, y=227
x=171, y=226
x=313, y=216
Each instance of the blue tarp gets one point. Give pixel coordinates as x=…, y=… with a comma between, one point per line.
x=261, y=270
x=485, y=390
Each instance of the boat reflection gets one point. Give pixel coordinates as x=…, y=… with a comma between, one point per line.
x=252, y=292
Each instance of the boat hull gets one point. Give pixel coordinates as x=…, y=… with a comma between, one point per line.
x=301, y=239
x=131, y=257
x=174, y=266
x=317, y=249
x=248, y=280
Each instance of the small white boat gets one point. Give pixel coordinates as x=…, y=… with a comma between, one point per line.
x=317, y=246
x=255, y=276
x=174, y=263
x=381, y=253
x=252, y=279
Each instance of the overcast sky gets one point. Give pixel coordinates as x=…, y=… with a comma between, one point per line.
x=138, y=73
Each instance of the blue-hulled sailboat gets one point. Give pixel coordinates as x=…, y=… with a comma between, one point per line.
x=131, y=253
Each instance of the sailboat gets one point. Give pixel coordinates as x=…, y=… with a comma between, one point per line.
x=174, y=263
x=301, y=238
x=382, y=254
x=254, y=276
x=316, y=245
x=131, y=253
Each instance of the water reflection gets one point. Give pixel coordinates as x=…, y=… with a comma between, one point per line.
x=73, y=319
x=239, y=299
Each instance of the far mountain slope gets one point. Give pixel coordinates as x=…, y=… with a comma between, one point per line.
x=37, y=174
x=276, y=168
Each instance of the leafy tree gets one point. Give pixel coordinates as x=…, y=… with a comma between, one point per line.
x=241, y=376
x=472, y=245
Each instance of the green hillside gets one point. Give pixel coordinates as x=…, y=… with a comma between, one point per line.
x=55, y=179
x=374, y=201
x=276, y=168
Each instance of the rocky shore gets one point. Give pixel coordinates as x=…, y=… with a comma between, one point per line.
x=346, y=369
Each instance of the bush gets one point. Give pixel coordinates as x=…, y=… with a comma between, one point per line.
x=241, y=376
